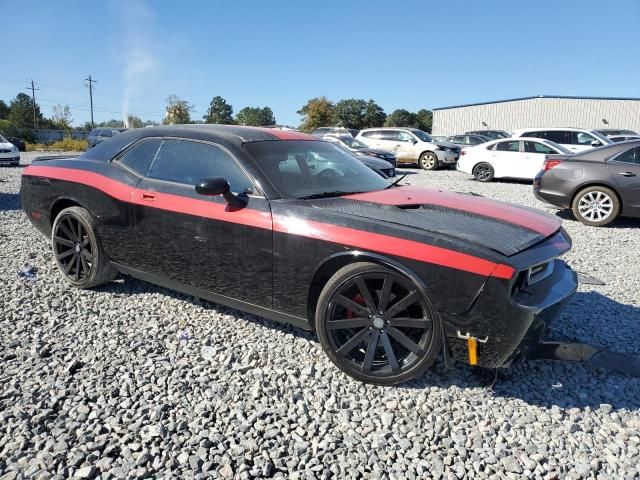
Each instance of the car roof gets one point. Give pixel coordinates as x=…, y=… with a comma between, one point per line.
x=551, y=129
x=230, y=135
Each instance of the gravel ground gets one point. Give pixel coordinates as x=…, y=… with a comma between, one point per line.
x=96, y=384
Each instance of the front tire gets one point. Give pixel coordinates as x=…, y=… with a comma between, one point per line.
x=428, y=161
x=78, y=251
x=483, y=172
x=596, y=206
x=376, y=325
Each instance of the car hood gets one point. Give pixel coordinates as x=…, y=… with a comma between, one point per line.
x=502, y=227
x=373, y=151
x=374, y=162
x=6, y=145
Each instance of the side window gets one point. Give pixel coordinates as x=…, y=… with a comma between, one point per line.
x=630, y=156
x=458, y=140
x=94, y=133
x=405, y=137
x=534, y=134
x=474, y=140
x=535, y=147
x=371, y=134
x=139, y=157
x=387, y=135
x=186, y=162
x=508, y=146
x=107, y=133
x=557, y=136
x=581, y=138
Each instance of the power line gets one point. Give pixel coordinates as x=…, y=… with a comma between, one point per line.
x=33, y=99
x=91, y=82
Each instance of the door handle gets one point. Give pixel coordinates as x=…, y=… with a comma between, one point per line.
x=627, y=174
x=148, y=197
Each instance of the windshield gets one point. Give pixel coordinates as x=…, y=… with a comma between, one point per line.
x=352, y=143
x=602, y=138
x=307, y=168
x=424, y=136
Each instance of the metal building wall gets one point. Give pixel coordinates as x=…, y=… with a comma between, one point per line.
x=539, y=112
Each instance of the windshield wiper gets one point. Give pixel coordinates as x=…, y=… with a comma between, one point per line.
x=396, y=181
x=335, y=193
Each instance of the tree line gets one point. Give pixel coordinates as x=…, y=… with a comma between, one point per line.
x=351, y=113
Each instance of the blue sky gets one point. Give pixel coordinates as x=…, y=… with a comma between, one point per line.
x=403, y=54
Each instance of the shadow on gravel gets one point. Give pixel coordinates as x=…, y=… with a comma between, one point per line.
x=542, y=383
x=9, y=201
x=621, y=222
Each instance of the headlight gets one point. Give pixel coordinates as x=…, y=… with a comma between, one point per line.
x=14, y=149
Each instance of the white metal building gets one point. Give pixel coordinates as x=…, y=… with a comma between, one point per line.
x=540, y=111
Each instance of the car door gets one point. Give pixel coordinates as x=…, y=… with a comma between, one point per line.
x=533, y=158
x=197, y=240
x=405, y=146
x=625, y=170
x=505, y=158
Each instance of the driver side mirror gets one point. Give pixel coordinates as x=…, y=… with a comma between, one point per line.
x=220, y=186
x=595, y=143
x=414, y=141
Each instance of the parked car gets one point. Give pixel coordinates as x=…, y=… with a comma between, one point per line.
x=99, y=135
x=322, y=131
x=411, y=145
x=610, y=132
x=574, y=139
x=466, y=141
x=492, y=134
x=598, y=185
x=508, y=158
x=251, y=219
x=357, y=147
x=623, y=138
x=19, y=143
x=382, y=167
x=9, y=153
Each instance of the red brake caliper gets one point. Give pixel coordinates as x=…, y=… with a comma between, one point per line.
x=360, y=301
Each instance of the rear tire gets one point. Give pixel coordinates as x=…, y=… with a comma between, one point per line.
x=385, y=348
x=483, y=172
x=596, y=206
x=78, y=251
x=428, y=161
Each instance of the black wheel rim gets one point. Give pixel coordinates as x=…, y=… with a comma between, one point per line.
x=483, y=172
x=72, y=248
x=378, y=324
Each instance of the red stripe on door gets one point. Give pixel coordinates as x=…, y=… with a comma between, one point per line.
x=291, y=225
x=538, y=222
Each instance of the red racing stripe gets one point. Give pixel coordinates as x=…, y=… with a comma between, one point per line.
x=538, y=222
x=163, y=201
x=291, y=225
x=391, y=245
x=288, y=134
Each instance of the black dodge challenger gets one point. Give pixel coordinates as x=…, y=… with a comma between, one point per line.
x=290, y=227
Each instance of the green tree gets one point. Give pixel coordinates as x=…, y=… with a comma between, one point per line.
x=318, y=112
x=255, y=116
x=424, y=118
x=219, y=112
x=401, y=118
x=21, y=112
x=350, y=113
x=374, y=115
x=61, y=117
x=4, y=110
x=178, y=111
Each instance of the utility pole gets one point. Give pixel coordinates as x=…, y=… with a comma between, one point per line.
x=89, y=84
x=33, y=100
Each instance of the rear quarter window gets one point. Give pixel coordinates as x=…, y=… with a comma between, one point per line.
x=140, y=156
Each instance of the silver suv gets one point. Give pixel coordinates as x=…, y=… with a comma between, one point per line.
x=411, y=145
x=99, y=135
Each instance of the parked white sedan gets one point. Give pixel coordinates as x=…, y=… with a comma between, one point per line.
x=508, y=158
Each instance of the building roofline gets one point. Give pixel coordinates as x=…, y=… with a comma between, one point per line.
x=531, y=98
